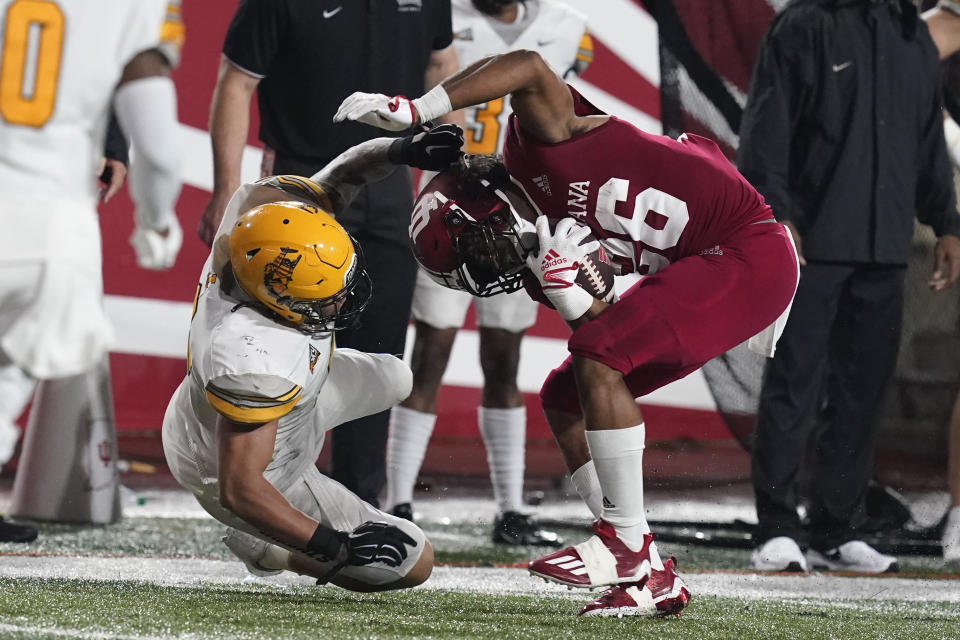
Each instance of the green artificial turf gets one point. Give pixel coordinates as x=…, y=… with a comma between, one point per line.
x=458, y=544
x=56, y=608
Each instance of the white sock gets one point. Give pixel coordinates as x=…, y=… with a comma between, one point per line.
x=618, y=459
x=407, y=441
x=275, y=558
x=587, y=484
x=504, y=434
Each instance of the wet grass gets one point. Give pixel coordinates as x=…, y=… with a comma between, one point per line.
x=57, y=608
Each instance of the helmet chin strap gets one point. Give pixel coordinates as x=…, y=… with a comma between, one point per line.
x=526, y=231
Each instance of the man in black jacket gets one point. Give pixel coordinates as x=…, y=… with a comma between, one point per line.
x=843, y=135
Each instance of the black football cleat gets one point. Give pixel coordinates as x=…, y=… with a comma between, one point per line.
x=403, y=510
x=513, y=527
x=11, y=532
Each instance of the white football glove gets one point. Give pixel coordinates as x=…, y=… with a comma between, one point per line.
x=393, y=114
x=155, y=251
x=557, y=264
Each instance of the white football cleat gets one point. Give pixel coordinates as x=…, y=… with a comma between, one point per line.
x=856, y=556
x=779, y=554
x=951, y=537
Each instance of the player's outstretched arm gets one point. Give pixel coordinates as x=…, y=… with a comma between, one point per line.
x=373, y=160
x=539, y=97
x=146, y=107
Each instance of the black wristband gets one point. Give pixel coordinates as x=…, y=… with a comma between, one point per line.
x=397, y=151
x=326, y=544
x=115, y=146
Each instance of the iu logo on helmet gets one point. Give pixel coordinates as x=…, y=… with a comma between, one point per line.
x=421, y=216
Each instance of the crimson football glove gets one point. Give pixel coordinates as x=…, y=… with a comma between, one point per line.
x=432, y=149
x=557, y=263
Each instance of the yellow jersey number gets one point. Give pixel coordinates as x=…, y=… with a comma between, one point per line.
x=28, y=99
x=486, y=128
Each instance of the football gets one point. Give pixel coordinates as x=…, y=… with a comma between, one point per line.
x=595, y=276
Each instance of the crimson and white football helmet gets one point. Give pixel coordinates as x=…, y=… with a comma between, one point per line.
x=466, y=233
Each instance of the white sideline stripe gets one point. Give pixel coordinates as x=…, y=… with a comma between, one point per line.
x=627, y=30
x=146, y=326
x=610, y=104
x=197, y=167
x=181, y=572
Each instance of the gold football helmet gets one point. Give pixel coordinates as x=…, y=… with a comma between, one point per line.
x=297, y=261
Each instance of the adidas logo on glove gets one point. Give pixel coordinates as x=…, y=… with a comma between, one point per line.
x=552, y=259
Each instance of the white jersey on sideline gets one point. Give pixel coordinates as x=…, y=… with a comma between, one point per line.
x=555, y=30
x=61, y=63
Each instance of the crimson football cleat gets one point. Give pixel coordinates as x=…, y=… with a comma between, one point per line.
x=602, y=560
x=668, y=590
x=663, y=595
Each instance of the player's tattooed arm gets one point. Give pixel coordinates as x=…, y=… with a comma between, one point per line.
x=374, y=160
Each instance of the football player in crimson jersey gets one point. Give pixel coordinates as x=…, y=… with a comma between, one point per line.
x=719, y=271
x=482, y=28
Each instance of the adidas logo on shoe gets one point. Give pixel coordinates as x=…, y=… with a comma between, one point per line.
x=604, y=559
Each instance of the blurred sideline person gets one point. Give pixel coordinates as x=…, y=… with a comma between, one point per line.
x=297, y=57
x=944, y=24
x=265, y=383
x=482, y=28
x=57, y=90
x=950, y=539
x=829, y=90
x=718, y=270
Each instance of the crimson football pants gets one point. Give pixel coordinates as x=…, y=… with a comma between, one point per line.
x=671, y=323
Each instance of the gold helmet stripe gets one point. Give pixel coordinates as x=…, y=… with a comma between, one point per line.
x=299, y=187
